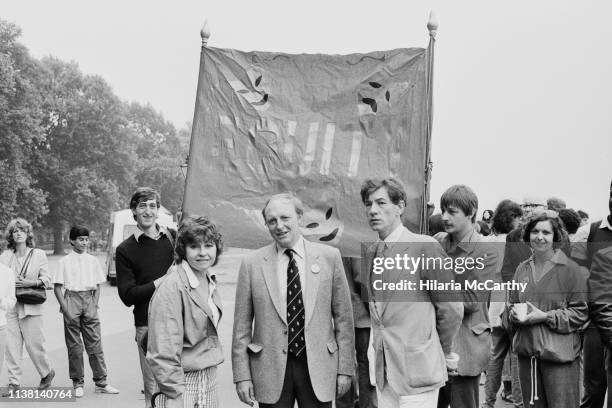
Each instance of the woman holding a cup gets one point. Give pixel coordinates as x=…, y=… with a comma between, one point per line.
x=548, y=316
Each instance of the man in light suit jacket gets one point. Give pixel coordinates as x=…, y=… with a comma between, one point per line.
x=412, y=329
x=293, y=322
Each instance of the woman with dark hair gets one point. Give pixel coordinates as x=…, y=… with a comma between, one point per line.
x=25, y=321
x=507, y=217
x=503, y=366
x=183, y=348
x=548, y=316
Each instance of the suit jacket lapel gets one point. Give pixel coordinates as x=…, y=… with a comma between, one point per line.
x=370, y=253
x=269, y=272
x=312, y=276
x=394, y=275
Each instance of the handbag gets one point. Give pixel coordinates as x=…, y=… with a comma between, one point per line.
x=31, y=295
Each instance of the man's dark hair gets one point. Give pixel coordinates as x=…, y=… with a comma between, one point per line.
x=545, y=216
x=197, y=230
x=570, y=219
x=395, y=189
x=505, y=214
x=144, y=194
x=78, y=231
x=435, y=224
x=555, y=204
x=462, y=197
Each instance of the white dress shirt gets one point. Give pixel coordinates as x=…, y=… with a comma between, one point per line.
x=394, y=237
x=283, y=262
x=79, y=272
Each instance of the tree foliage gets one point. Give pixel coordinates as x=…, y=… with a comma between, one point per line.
x=161, y=150
x=20, y=130
x=71, y=151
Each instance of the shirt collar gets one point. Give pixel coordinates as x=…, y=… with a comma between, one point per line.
x=298, y=248
x=465, y=245
x=605, y=224
x=394, y=236
x=194, y=282
x=162, y=230
x=558, y=258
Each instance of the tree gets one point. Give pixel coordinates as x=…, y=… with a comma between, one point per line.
x=20, y=116
x=160, y=152
x=86, y=161
x=70, y=150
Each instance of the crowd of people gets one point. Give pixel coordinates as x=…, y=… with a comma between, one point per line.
x=310, y=326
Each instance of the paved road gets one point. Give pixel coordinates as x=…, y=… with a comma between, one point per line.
x=120, y=348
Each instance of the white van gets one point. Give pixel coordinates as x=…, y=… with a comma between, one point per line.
x=122, y=225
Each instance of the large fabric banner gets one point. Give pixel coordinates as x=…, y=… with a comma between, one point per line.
x=314, y=125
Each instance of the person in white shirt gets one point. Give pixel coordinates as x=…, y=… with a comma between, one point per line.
x=7, y=302
x=80, y=275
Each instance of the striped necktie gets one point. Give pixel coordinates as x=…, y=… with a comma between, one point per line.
x=295, y=307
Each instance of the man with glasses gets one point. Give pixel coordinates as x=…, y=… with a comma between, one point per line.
x=142, y=260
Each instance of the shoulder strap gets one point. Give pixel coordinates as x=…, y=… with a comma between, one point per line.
x=594, y=227
x=26, y=263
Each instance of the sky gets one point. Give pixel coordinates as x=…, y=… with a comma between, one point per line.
x=522, y=89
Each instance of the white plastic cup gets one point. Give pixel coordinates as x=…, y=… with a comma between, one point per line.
x=521, y=311
x=452, y=361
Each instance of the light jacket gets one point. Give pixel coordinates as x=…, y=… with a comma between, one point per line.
x=562, y=294
x=181, y=336
x=259, y=346
x=473, y=342
x=412, y=330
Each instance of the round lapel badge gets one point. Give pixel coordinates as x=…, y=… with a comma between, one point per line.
x=315, y=268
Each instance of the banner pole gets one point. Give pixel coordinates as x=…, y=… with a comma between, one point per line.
x=432, y=27
x=195, y=125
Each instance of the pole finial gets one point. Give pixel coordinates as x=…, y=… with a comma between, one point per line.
x=432, y=24
x=205, y=33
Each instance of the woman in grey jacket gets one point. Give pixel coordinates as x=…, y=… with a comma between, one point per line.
x=547, y=338
x=183, y=348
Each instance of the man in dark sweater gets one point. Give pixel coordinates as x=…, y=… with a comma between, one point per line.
x=142, y=260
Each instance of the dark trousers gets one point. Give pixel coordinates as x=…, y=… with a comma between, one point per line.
x=459, y=392
x=500, y=348
x=608, y=353
x=557, y=383
x=83, y=321
x=594, y=380
x=297, y=387
x=367, y=392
